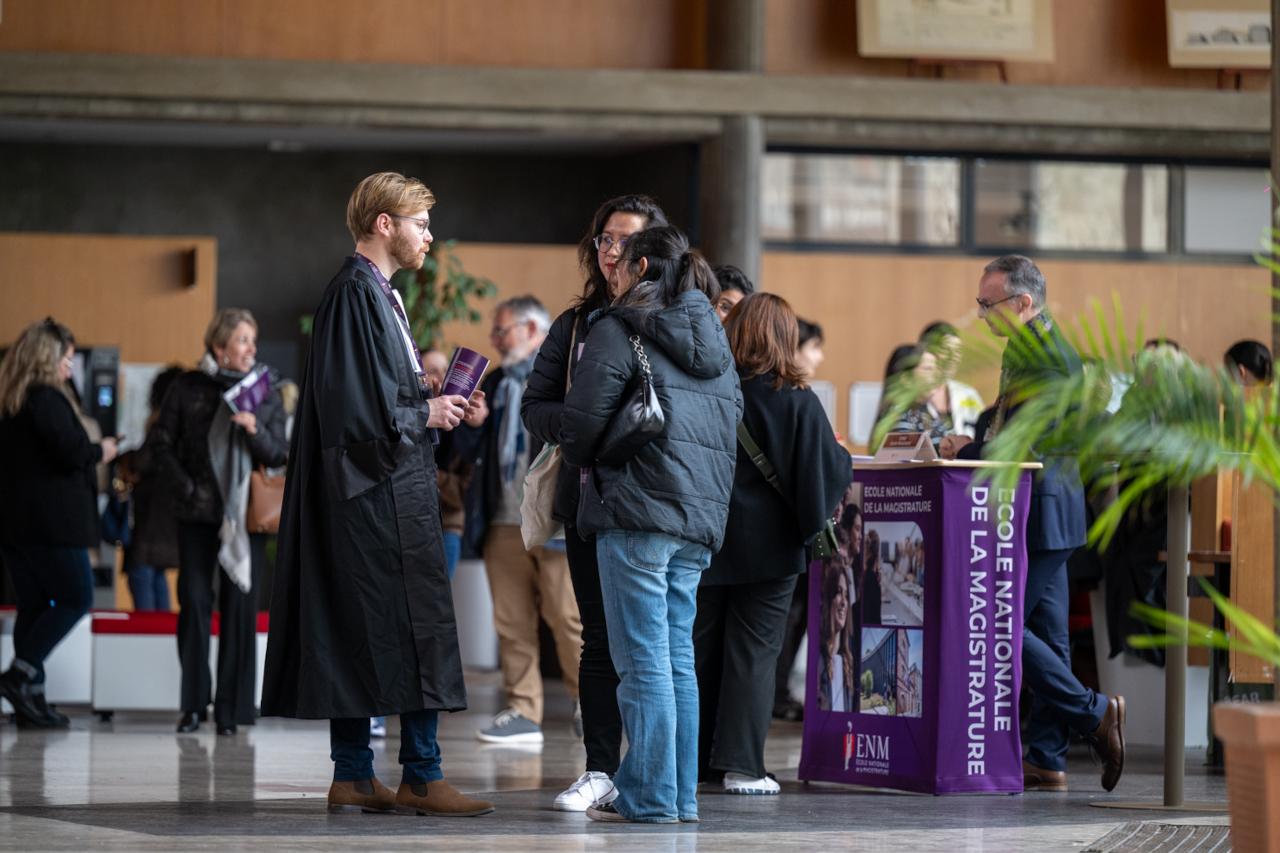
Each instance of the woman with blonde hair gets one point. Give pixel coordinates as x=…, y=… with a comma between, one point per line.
x=48, y=509
x=208, y=450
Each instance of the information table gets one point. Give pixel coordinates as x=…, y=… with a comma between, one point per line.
x=915, y=633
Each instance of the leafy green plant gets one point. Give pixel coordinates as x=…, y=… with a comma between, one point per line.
x=440, y=292
x=1251, y=636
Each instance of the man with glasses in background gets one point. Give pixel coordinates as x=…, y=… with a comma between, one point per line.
x=1011, y=299
x=523, y=584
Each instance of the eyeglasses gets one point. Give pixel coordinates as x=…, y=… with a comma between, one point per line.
x=987, y=306
x=501, y=331
x=606, y=243
x=422, y=223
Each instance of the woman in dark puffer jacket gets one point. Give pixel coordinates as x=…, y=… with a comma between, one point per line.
x=660, y=516
x=598, y=254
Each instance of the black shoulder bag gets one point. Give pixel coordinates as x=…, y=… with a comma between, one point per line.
x=638, y=422
x=821, y=546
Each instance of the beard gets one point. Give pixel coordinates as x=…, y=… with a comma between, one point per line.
x=406, y=251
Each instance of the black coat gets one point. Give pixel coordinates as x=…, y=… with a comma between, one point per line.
x=49, y=490
x=679, y=483
x=543, y=403
x=479, y=446
x=179, y=442
x=361, y=612
x=765, y=536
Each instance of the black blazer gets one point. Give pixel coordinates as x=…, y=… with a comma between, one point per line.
x=49, y=491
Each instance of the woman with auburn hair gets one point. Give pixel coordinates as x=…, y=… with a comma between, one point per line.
x=602, y=247
x=208, y=450
x=48, y=509
x=744, y=597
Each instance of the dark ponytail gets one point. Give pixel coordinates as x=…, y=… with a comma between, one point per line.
x=673, y=269
x=1254, y=357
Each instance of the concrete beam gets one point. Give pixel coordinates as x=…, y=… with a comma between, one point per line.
x=605, y=92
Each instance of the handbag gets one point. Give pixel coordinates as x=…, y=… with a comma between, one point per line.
x=537, y=526
x=821, y=546
x=638, y=422
x=266, y=496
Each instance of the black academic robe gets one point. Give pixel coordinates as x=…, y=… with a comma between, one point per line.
x=362, y=619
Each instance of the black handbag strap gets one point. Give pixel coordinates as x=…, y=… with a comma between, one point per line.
x=758, y=458
x=644, y=359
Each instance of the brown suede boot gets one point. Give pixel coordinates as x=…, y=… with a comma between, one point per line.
x=438, y=799
x=365, y=795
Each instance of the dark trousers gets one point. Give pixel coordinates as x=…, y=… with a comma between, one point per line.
x=597, y=679
x=54, y=587
x=792, y=633
x=198, y=571
x=419, y=749
x=736, y=637
x=1060, y=702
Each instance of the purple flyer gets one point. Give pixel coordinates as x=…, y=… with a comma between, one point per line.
x=915, y=635
x=466, y=369
x=247, y=394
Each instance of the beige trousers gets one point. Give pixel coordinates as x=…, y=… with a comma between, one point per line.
x=526, y=584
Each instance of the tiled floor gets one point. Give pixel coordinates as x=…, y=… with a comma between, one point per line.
x=133, y=784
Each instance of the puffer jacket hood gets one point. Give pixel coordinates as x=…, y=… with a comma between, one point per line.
x=688, y=331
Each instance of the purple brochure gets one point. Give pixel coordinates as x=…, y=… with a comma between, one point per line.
x=247, y=394
x=466, y=369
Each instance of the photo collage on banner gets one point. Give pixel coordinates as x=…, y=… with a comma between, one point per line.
x=871, y=655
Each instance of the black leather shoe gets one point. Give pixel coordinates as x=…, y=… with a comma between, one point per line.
x=226, y=729
x=188, y=722
x=16, y=687
x=52, y=717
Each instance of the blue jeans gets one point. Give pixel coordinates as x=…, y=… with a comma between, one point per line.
x=452, y=551
x=149, y=588
x=419, y=750
x=1060, y=700
x=54, y=587
x=650, y=586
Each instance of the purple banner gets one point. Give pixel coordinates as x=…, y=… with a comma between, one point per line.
x=915, y=635
x=466, y=368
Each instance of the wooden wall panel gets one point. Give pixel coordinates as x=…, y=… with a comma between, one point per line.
x=1097, y=42
x=868, y=303
x=1253, y=570
x=548, y=33
x=111, y=290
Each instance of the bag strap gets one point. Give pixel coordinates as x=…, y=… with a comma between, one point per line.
x=568, y=362
x=644, y=359
x=758, y=458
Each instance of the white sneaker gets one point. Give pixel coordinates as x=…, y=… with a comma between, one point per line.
x=378, y=727
x=591, y=788
x=740, y=783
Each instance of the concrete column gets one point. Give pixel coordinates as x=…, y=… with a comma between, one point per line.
x=731, y=163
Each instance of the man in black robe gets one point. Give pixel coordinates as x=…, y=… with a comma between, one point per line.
x=361, y=613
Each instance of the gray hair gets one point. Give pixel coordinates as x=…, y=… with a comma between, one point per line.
x=1021, y=276
x=525, y=309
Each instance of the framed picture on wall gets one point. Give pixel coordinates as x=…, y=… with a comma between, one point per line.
x=1219, y=33
x=997, y=30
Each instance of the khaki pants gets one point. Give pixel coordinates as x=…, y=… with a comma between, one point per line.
x=525, y=584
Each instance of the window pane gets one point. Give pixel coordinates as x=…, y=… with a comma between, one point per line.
x=1089, y=206
x=861, y=199
x=1227, y=209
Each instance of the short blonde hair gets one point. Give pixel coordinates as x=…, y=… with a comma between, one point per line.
x=385, y=192
x=224, y=324
x=33, y=360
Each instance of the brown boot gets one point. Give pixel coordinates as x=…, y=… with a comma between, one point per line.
x=1039, y=779
x=1108, y=740
x=365, y=795
x=438, y=799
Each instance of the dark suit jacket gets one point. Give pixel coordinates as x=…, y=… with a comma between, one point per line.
x=1056, y=519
